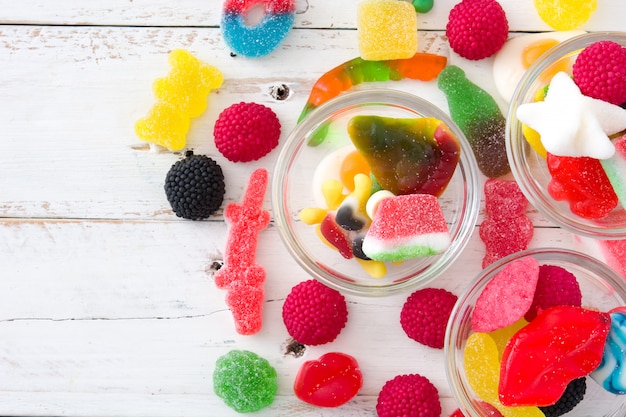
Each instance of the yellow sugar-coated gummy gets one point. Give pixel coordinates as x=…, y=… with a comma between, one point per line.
x=332, y=190
x=482, y=367
x=565, y=14
x=502, y=336
x=312, y=215
x=386, y=29
x=180, y=97
x=374, y=269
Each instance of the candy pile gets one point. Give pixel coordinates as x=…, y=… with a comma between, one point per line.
x=534, y=311
x=391, y=211
x=577, y=122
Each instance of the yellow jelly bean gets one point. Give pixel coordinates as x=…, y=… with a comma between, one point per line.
x=181, y=96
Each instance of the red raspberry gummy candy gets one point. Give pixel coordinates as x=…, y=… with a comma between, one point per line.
x=246, y=131
x=506, y=229
x=411, y=395
x=313, y=313
x=581, y=182
x=477, y=29
x=555, y=286
x=425, y=314
x=600, y=71
x=564, y=342
x=330, y=381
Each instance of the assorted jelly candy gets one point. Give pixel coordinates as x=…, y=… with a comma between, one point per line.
x=482, y=368
x=405, y=227
x=565, y=14
x=583, y=184
x=501, y=336
x=245, y=381
x=256, y=40
x=507, y=296
x=351, y=165
x=351, y=214
x=477, y=114
x=180, y=96
x=421, y=66
x=329, y=381
x=407, y=155
x=423, y=6
x=386, y=29
x=506, y=228
x=611, y=374
x=519, y=52
x=615, y=169
x=241, y=276
x=336, y=236
x=564, y=342
x=572, y=124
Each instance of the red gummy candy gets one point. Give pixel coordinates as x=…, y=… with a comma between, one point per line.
x=330, y=381
x=336, y=236
x=581, y=182
x=506, y=229
x=564, y=342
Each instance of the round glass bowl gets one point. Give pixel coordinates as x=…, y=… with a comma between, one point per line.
x=293, y=190
x=530, y=169
x=601, y=288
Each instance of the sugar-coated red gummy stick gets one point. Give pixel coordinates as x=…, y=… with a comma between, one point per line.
x=240, y=275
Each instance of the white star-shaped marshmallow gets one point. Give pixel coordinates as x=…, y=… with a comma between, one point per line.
x=572, y=124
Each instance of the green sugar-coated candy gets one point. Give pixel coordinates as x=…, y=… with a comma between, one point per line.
x=245, y=381
x=477, y=114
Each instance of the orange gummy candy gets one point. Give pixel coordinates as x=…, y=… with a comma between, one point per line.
x=181, y=96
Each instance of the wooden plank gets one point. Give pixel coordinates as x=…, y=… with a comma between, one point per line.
x=522, y=16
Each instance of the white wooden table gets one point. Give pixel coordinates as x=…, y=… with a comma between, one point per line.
x=106, y=307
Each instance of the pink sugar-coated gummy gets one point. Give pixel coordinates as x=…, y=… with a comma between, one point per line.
x=506, y=229
x=240, y=275
x=614, y=252
x=507, y=297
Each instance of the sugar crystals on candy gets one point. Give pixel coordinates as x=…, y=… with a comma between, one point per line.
x=565, y=14
x=241, y=276
x=477, y=114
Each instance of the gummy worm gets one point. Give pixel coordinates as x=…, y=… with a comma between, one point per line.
x=421, y=66
x=241, y=276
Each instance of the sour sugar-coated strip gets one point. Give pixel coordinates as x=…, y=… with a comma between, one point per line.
x=422, y=66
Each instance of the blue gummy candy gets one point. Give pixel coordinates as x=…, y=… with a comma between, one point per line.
x=611, y=374
x=258, y=40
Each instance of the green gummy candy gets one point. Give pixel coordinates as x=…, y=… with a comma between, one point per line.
x=245, y=381
x=477, y=114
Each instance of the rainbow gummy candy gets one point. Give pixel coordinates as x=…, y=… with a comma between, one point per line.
x=181, y=96
x=387, y=29
x=477, y=114
x=241, y=276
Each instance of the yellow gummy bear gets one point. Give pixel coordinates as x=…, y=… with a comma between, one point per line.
x=481, y=360
x=181, y=96
x=565, y=14
x=386, y=29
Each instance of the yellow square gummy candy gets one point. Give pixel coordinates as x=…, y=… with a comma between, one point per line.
x=387, y=29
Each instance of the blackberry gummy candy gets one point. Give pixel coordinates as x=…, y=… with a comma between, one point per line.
x=246, y=132
x=574, y=394
x=257, y=40
x=410, y=395
x=329, y=381
x=240, y=275
x=386, y=29
x=506, y=229
x=245, y=381
x=407, y=155
x=477, y=114
x=477, y=29
x=181, y=96
x=425, y=314
x=194, y=187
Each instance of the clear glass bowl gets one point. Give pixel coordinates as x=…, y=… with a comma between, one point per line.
x=292, y=191
x=601, y=288
x=530, y=169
